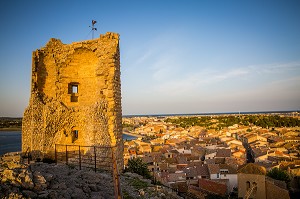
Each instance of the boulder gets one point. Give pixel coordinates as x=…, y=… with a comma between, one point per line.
x=29, y=194
x=39, y=181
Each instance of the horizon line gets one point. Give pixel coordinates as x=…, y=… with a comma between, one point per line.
x=190, y=114
x=210, y=113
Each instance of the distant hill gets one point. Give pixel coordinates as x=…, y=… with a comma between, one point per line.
x=10, y=123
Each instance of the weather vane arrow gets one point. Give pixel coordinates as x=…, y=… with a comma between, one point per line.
x=93, y=28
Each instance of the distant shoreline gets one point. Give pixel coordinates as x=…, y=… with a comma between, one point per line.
x=132, y=134
x=20, y=129
x=11, y=129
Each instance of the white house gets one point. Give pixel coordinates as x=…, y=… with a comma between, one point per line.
x=210, y=155
x=227, y=172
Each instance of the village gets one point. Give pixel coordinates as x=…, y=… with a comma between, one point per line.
x=201, y=159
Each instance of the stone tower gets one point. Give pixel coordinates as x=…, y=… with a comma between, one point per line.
x=75, y=96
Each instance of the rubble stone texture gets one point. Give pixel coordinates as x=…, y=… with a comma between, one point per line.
x=75, y=97
x=52, y=181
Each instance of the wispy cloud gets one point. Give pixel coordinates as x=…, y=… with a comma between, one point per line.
x=220, y=76
x=144, y=57
x=192, y=82
x=205, y=79
x=275, y=67
x=159, y=58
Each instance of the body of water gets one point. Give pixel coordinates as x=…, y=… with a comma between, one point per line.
x=11, y=141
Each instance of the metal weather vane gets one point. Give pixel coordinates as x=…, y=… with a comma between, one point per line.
x=93, y=28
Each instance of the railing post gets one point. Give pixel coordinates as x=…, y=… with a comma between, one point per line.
x=66, y=154
x=79, y=158
x=116, y=179
x=95, y=158
x=55, y=154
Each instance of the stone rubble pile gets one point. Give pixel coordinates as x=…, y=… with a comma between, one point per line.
x=42, y=180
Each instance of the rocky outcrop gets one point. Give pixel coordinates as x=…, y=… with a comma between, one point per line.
x=42, y=180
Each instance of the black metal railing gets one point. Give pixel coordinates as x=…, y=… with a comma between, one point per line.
x=97, y=157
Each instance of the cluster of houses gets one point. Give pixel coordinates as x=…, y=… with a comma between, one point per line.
x=274, y=148
x=206, y=161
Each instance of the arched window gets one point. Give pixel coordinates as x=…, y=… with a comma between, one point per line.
x=254, y=184
x=74, y=135
x=247, y=185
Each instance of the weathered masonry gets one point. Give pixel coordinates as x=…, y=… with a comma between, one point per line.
x=75, y=97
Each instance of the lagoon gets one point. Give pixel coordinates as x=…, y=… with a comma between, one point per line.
x=11, y=141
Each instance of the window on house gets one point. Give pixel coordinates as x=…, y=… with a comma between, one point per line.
x=254, y=184
x=247, y=185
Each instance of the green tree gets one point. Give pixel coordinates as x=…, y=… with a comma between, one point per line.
x=136, y=165
x=279, y=174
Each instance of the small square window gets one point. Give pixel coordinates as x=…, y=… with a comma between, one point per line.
x=74, y=88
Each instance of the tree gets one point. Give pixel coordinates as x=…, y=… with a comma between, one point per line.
x=136, y=165
x=279, y=174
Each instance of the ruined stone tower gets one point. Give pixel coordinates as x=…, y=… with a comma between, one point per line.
x=75, y=96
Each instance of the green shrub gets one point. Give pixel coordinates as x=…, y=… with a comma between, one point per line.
x=137, y=165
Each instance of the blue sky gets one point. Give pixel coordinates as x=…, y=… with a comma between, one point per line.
x=176, y=56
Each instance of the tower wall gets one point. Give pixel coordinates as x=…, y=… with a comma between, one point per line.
x=75, y=96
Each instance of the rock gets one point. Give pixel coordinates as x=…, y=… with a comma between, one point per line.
x=96, y=195
x=141, y=192
x=86, y=189
x=29, y=194
x=78, y=193
x=43, y=194
x=53, y=194
x=48, y=177
x=162, y=195
x=54, y=186
x=15, y=196
x=68, y=183
x=93, y=187
x=39, y=181
x=64, y=194
x=7, y=175
x=25, y=178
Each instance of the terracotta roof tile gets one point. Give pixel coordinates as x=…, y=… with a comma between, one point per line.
x=190, y=172
x=213, y=168
x=223, y=153
x=212, y=186
x=230, y=169
x=202, y=170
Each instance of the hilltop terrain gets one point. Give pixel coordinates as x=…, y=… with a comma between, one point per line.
x=43, y=180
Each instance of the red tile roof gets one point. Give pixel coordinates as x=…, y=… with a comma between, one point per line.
x=213, y=168
x=223, y=153
x=212, y=186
